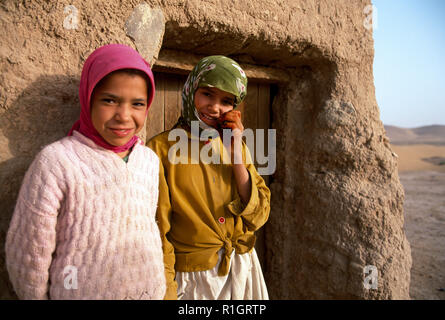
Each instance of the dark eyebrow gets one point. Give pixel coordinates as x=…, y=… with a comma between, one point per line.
x=110, y=95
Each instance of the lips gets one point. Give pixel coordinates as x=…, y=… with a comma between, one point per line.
x=207, y=117
x=121, y=132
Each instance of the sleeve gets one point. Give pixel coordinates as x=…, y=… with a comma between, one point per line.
x=163, y=216
x=256, y=212
x=31, y=237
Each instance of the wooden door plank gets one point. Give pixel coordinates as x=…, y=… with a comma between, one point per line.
x=181, y=83
x=249, y=116
x=263, y=122
x=263, y=106
x=264, y=117
x=155, y=118
x=172, y=109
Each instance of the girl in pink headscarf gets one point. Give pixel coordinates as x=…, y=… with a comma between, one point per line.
x=84, y=223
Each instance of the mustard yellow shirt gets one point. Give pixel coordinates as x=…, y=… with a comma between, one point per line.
x=200, y=210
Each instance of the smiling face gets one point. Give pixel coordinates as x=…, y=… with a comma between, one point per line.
x=211, y=103
x=118, y=107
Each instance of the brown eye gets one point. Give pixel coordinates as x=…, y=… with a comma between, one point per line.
x=108, y=100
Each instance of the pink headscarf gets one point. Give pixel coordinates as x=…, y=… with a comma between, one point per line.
x=101, y=62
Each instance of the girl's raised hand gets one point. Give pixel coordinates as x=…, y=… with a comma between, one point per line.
x=232, y=120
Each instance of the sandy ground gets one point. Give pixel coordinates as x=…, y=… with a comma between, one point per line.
x=410, y=157
x=424, y=185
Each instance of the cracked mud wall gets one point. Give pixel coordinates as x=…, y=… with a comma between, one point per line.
x=337, y=203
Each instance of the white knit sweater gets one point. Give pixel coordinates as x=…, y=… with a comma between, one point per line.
x=84, y=225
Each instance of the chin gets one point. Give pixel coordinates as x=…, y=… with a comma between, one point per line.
x=118, y=143
x=213, y=124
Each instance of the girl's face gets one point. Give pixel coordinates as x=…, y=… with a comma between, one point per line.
x=118, y=107
x=212, y=103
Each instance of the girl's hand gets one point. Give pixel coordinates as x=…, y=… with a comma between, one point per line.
x=232, y=120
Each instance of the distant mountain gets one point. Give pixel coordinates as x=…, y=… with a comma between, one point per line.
x=434, y=135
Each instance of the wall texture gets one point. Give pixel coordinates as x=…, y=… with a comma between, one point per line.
x=337, y=203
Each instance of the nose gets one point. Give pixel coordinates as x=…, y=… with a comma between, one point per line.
x=123, y=112
x=214, y=108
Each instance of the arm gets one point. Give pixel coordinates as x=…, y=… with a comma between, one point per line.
x=253, y=203
x=31, y=238
x=232, y=120
x=255, y=211
x=243, y=182
x=163, y=217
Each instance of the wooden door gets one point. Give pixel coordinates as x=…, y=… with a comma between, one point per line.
x=166, y=109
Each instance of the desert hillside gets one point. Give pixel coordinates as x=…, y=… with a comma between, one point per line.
x=419, y=149
x=434, y=135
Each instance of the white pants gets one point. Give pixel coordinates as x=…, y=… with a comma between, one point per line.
x=244, y=281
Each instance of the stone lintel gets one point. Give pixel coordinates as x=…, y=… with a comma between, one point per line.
x=180, y=62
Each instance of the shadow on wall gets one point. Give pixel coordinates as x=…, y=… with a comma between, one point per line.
x=43, y=113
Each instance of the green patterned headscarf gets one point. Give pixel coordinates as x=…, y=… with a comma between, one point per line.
x=213, y=71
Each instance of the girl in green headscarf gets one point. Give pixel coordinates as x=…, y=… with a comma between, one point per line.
x=208, y=212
